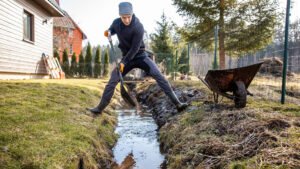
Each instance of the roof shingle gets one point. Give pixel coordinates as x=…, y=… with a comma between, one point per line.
x=66, y=22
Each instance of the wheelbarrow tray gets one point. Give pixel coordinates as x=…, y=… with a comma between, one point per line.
x=223, y=81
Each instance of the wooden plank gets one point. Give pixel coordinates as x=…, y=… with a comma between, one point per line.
x=61, y=72
x=40, y=39
x=15, y=54
x=14, y=28
x=57, y=62
x=16, y=60
x=52, y=67
x=20, y=56
x=22, y=76
x=7, y=68
x=46, y=64
x=12, y=45
x=19, y=65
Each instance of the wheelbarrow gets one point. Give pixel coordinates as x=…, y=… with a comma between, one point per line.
x=231, y=83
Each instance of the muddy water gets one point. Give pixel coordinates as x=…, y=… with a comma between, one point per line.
x=138, y=138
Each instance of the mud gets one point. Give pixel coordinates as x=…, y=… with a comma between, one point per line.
x=155, y=101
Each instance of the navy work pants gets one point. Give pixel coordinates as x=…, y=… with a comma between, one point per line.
x=143, y=62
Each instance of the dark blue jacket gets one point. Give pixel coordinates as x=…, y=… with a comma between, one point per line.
x=130, y=37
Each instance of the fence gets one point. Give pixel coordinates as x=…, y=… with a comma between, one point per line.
x=269, y=78
x=202, y=61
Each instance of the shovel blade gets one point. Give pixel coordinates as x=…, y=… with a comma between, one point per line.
x=124, y=93
x=126, y=96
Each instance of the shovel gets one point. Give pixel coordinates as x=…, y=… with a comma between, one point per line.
x=124, y=92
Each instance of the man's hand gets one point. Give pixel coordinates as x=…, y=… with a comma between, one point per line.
x=121, y=67
x=107, y=33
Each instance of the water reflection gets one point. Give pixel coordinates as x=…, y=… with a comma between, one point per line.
x=138, y=137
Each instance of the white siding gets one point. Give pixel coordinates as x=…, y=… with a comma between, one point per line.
x=17, y=55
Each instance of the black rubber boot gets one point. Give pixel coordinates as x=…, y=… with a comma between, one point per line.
x=179, y=106
x=96, y=111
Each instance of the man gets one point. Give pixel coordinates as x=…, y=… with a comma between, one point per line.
x=130, y=33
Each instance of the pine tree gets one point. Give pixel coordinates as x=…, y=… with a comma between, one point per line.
x=66, y=64
x=106, y=63
x=81, y=65
x=73, y=69
x=56, y=54
x=183, y=62
x=161, y=41
x=244, y=26
x=88, y=61
x=97, y=67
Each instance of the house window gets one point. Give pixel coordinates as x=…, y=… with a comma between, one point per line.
x=70, y=33
x=28, y=24
x=71, y=49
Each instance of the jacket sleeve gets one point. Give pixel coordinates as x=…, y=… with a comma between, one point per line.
x=112, y=28
x=136, y=43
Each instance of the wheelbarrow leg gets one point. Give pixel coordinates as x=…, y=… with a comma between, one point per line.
x=216, y=97
x=240, y=94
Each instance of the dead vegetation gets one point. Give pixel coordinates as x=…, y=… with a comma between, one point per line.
x=223, y=136
x=265, y=134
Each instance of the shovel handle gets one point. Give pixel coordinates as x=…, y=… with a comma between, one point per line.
x=114, y=55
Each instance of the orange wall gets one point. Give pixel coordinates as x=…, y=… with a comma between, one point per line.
x=77, y=43
x=62, y=41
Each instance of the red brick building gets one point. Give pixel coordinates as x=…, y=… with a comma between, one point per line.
x=67, y=35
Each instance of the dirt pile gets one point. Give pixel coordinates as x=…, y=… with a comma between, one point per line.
x=274, y=67
x=154, y=99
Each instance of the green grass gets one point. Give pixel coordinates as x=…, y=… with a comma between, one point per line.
x=192, y=117
x=44, y=124
x=253, y=163
x=289, y=109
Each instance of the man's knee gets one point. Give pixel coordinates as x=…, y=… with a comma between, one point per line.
x=153, y=70
x=156, y=74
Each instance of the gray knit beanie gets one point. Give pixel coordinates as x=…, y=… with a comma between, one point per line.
x=125, y=8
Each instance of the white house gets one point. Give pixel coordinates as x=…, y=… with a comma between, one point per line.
x=26, y=32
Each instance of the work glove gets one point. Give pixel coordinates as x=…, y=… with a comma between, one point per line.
x=121, y=67
x=107, y=33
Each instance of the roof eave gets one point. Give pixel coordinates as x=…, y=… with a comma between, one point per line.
x=51, y=8
x=84, y=36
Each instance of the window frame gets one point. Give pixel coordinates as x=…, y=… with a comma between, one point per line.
x=71, y=49
x=31, y=39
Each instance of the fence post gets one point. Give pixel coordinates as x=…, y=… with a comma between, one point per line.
x=286, y=43
x=176, y=64
x=188, y=61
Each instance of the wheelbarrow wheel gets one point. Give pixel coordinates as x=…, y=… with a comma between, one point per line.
x=240, y=94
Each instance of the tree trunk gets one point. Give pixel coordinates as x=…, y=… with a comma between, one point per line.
x=222, y=36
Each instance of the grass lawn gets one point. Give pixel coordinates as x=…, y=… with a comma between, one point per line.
x=44, y=124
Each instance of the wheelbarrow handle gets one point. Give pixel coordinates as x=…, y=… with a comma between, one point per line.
x=204, y=82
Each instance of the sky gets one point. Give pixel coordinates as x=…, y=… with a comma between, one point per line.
x=95, y=16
